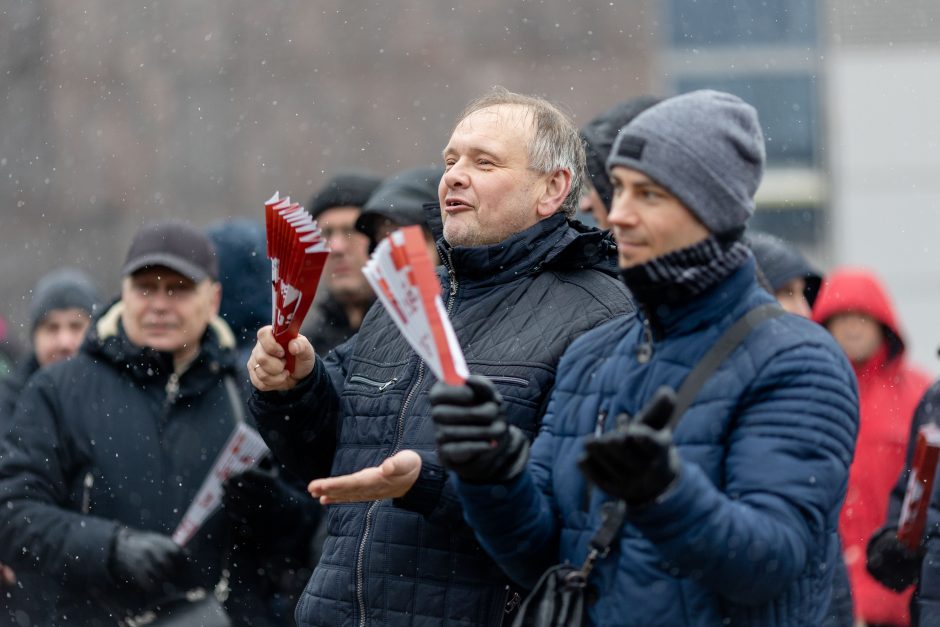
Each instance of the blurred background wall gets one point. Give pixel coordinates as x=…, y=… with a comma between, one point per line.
x=114, y=115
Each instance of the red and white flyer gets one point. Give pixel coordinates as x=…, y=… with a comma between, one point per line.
x=403, y=278
x=298, y=253
x=244, y=450
x=916, y=503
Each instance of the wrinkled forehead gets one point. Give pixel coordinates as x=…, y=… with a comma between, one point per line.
x=504, y=121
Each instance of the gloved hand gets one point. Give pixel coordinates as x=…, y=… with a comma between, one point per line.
x=473, y=438
x=637, y=462
x=891, y=562
x=144, y=559
x=256, y=501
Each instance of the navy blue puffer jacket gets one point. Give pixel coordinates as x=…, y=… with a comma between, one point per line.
x=747, y=535
x=515, y=307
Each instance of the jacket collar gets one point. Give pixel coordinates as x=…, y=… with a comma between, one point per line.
x=709, y=308
x=107, y=340
x=552, y=243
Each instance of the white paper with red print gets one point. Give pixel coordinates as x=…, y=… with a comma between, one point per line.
x=404, y=280
x=244, y=450
x=297, y=252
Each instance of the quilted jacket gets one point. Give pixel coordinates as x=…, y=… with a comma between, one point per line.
x=515, y=307
x=747, y=534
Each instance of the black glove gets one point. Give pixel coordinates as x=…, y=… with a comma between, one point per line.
x=144, y=559
x=891, y=562
x=637, y=462
x=473, y=438
x=257, y=501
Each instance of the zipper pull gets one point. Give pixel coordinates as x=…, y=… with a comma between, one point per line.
x=513, y=603
x=86, y=492
x=644, y=352
x=172, y=388
x=451, y=274
x=387, y=384
x=599, y=425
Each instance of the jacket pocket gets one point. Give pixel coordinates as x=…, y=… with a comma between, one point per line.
x=378, y=386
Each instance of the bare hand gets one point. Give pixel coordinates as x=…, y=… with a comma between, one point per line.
x=266, y=364
x=7, y=576
x=392, y=479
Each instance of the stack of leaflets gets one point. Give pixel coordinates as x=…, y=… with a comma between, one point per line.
x=913, y=516
x=243, y=451
x=402, y=277
x=297, y=252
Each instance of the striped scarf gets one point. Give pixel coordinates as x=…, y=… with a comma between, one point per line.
x=675, y=277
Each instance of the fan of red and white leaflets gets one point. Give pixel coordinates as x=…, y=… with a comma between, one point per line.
x=404, y=280
x=297, y=252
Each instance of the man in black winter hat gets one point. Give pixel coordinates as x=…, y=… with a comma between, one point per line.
x=336, y=207
x=60, y=312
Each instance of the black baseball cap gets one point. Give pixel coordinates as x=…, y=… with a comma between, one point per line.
x=175, y=245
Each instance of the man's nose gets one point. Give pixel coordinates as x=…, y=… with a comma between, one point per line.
x=457, y=176
x=622, y=212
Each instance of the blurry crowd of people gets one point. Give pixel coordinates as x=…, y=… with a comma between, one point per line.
x=769, y=497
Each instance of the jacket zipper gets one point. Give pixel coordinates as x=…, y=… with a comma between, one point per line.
x=510, y=381
x=644, y=351
x=370, y=513
x=87, y=484
x=378, y=385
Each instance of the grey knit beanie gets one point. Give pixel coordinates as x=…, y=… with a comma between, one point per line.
x=65, y=288
x=705, y=147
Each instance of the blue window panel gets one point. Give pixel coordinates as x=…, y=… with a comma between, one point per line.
x=708, y=23
x=787, y=107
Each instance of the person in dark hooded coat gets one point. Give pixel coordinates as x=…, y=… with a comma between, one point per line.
x=793, y=280
x=598, y=136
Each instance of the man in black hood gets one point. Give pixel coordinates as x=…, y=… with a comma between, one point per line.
x=598, y=136
x=793, y=281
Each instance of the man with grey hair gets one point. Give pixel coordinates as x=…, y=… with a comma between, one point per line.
x=520, y=283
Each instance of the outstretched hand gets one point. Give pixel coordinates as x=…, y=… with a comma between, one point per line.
x=267, y=364
x=391, y=479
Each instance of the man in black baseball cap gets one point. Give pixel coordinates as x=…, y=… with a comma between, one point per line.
x=107, y=450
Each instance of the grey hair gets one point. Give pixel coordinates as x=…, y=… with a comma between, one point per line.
x=556, y=145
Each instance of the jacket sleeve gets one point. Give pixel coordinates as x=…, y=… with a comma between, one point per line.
x=516, y=522
x=786, y=471
x=300, y=426
x=40, y=521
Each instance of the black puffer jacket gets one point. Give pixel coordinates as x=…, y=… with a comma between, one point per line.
x=113, y=432
x=515, y=307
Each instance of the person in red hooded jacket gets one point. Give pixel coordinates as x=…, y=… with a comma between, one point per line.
x=854, y=305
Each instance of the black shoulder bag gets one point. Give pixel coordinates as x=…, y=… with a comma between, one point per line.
x=559, y=598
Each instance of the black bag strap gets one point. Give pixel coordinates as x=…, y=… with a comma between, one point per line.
x=613, y=513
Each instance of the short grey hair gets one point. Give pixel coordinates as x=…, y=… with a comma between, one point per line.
x=556, y=145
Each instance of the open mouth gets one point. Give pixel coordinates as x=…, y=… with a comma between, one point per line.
x=456, y=204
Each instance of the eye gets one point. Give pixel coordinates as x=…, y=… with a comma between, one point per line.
x=484, y=162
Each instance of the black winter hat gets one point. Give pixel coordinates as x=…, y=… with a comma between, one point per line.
x=65, y=288
x=781, y=262
x=351, y=189
x=401, y=199
x=175, y=245
x=599, y=135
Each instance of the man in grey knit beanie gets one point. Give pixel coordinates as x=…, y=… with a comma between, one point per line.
x=706, y=147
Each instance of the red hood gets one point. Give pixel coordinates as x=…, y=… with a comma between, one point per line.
x=859, y=290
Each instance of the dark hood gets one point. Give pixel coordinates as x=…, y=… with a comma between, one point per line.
x=599, y=135
x=781, y=262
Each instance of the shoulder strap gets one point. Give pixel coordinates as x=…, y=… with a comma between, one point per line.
x=234, y=399
x=614, y=512
x=723, y=346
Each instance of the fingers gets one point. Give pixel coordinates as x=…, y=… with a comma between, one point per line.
x=658, y=411
x=401, y=463
x=304, y=357
x=478, y=415
x=461, y=452
x=442, y=394
x=493, y=432
x=483, y=389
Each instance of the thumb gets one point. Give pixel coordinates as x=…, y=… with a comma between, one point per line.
x=657, y=412
x=401, y=463
x=304, y=356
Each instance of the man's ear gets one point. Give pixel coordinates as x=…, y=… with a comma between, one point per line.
x=557, y=186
